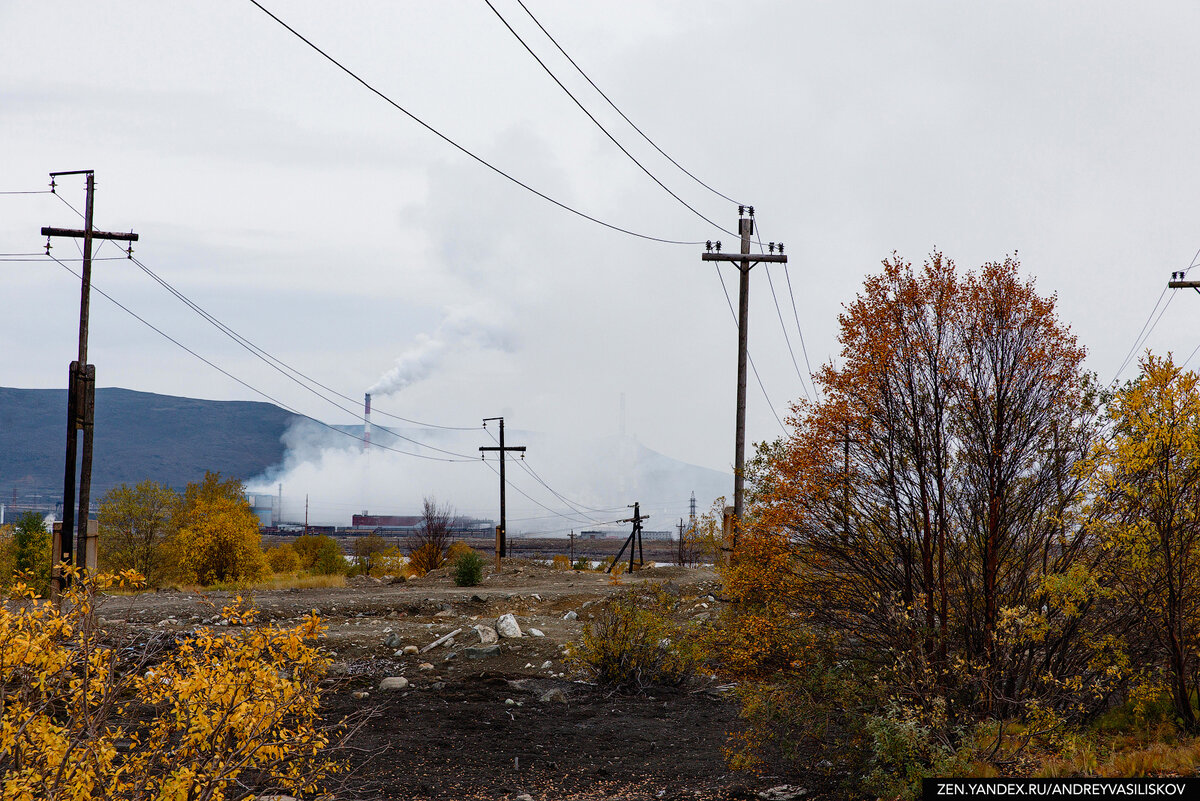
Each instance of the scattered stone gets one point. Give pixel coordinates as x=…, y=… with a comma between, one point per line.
x=448, y=643
x=476, y=599
x=424, y=666
x=537, y=632
x=394, y=683
x=444, y=613
x=451, y=655
x=509, y=702
x=554, y=696
x=524, y=797
x=399, y=652
x=507, y=626
x=570, y=615
x=546, y=665
x=339, y=669
x=408, y=650
x=361, y=695
x=393, y=641
x=784, y=792
x=536, y=597
x=487, y=634
x=482, y=651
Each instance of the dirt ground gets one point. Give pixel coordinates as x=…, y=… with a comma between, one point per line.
x=490, y=727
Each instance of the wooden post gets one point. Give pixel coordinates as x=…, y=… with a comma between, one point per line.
x=502, y=549
x=744, y=261
x=81, y=406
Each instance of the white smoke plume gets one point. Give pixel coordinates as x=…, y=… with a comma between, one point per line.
x=462, y=327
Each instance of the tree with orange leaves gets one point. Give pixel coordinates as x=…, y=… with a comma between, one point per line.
x=923, y=501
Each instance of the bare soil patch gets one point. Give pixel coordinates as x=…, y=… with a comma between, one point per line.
x=491, y=728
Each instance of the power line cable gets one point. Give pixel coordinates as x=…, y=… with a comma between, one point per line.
x=248, y=386
x=274, y=363
x=462, y=149
x=799, y=330
x=598, y=124
x=783, y=326
x=614, y=106
x=1144, y=334
x=575, y=506
x=533, y=500
x=273, y=360
x=1143, y=337
x=748, y=356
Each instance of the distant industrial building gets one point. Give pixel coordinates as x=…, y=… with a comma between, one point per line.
x=617, y=534
x=405, y=524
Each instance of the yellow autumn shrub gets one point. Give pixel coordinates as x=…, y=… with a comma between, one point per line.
x=217, y=716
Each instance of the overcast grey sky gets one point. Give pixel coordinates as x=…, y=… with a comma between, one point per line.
x=333, y=231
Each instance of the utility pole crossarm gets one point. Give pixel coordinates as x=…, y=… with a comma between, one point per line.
x=775, y=257
x=502, y=449
x=79, y=234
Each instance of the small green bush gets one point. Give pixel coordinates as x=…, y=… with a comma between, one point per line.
x=468, y=569
x=634, y=642
x=582, y=564
x=329, y=560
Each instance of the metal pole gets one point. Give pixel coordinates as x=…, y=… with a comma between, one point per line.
x=745, y=227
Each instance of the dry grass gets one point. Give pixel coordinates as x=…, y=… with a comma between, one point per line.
x=279, y=581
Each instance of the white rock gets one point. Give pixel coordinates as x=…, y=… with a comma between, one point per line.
x=570, y=615
x=537, y=632
x=424, y=666
x=393, y=683
x=546, y=665
x=487, y=634
x=507, y=626
x=410, y=649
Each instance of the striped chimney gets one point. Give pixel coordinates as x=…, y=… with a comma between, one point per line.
x=367, y=422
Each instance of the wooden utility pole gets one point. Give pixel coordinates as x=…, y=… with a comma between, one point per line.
x=744, y=262
x=81, y=406
x=502, y=529
x=634, y=536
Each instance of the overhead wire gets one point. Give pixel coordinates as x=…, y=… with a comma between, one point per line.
x=1144, y=334
x=282, y=367
x=243, y=383
x=597, y=122
x=783, y=326
x=461, y=148
x=528, y=497
x=749, y=358
x=616, y=109
x=572, y=505
x=799, y=330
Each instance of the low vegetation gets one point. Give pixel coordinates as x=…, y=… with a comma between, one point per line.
x=220, y=716
x=635, y=641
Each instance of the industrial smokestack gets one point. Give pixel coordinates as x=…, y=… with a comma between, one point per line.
x=367, y=422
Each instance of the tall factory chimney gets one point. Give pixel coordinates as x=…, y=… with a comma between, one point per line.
x=367, y=422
